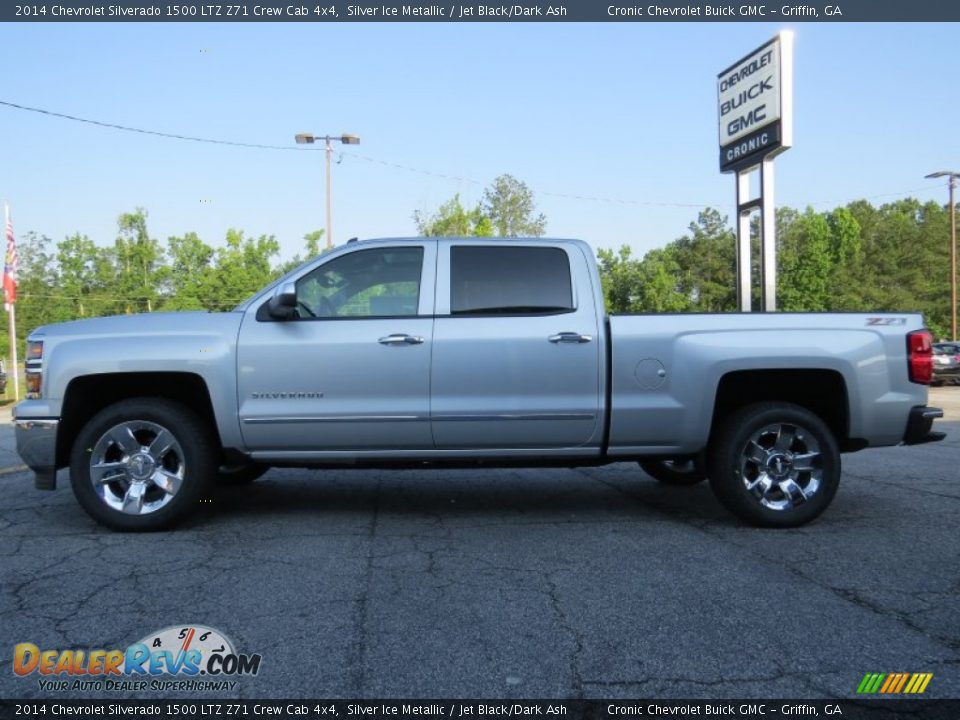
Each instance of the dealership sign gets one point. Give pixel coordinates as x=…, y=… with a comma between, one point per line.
x=755, y=105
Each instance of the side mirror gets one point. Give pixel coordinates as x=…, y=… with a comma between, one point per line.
x=283, y=304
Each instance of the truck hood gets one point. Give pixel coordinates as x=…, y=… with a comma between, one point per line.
x=131, y=326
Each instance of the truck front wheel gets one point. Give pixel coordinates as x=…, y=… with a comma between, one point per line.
x=774, y=464
x=142, y=464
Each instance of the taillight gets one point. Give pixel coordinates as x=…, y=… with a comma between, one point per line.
x=920, y=356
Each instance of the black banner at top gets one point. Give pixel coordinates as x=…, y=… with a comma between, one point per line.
x=637, y=11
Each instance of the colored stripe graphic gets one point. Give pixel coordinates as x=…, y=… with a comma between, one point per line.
x=903, y=681
x=870, y=683
x=918, y=683
x=894, y=683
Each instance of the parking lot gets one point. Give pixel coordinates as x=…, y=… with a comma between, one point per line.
x=595, y=582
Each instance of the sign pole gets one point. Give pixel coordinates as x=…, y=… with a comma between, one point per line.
x=744, y=291
x=755, y=112
x=768, y=237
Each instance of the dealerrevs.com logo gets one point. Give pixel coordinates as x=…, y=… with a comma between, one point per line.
x=180, y=657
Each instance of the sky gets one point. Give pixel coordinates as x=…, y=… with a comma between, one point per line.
x=624, y=113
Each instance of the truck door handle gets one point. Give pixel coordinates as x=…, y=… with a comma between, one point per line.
x=569, y=337
x=401, y=339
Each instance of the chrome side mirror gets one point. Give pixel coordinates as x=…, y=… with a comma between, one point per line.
x=282, y=305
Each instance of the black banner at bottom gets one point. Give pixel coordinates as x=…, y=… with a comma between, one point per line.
x=917, y=709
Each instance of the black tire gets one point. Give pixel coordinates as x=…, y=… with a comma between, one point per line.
x=191, y=460
x=750, y=469
x=675, y=471
x=240, y=473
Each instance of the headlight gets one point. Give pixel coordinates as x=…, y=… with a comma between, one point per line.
x=34, y=369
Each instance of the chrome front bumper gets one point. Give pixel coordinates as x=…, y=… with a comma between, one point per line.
x=37, y=446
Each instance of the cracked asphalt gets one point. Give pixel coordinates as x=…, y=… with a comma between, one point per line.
x=510, y=583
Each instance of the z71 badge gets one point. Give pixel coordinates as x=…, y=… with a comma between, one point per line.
x=887, y=321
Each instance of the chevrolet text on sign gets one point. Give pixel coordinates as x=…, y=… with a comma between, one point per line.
x=754, y=104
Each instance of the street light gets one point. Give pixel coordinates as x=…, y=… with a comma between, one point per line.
x=308, y=139
x=953, y=247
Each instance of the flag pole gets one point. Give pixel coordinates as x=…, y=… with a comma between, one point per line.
x=12, y=315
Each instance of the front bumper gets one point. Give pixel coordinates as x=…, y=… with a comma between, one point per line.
x=37, y=446
x=919, y=426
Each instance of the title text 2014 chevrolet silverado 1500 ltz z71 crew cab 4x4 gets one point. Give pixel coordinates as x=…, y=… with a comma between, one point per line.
x=424, y=351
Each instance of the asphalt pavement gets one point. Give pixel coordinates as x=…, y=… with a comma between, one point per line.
x=508, y=583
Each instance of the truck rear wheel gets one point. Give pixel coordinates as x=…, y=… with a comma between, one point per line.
x=142, y=464
x=774, y=464
x=675, y=471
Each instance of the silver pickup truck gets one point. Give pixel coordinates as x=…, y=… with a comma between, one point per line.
x=424, y=352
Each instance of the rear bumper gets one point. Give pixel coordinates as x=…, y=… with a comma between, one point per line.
x=919, y=426
x=37, y=446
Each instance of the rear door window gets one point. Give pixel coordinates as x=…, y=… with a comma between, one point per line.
x=503, y=280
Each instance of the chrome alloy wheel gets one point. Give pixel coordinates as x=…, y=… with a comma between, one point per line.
x=781, y=466
x=137, y=467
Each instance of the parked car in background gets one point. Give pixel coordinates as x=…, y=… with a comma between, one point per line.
x=946, y=363
x=3, y=378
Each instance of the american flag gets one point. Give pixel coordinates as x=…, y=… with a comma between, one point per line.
x=10, y=265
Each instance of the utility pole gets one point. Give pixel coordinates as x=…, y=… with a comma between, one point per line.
x=329, y=154
x=307, y=138
x=952, y=176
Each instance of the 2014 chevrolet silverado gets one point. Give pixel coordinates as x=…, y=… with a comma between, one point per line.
x=423, y=352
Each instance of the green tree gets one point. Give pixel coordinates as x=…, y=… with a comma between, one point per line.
x=620, y=278
x=805, y=274
x=648, y=285
x=453, y=220
x=848, y=259
x=312, y=240
x=312, y=246
x=76, y=259
x=509, y=204
x=659, y=283
x=706, y=261
x=240, y=268
x=186, y=278
x=36, y=301
x=138, y=258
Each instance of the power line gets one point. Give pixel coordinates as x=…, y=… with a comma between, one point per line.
x=359, y=156
x=871, y=197
x=564, y=196
x=408, y=168
x=127, y=128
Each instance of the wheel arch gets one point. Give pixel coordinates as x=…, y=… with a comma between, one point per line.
x=86, y=395
x=821, y=391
